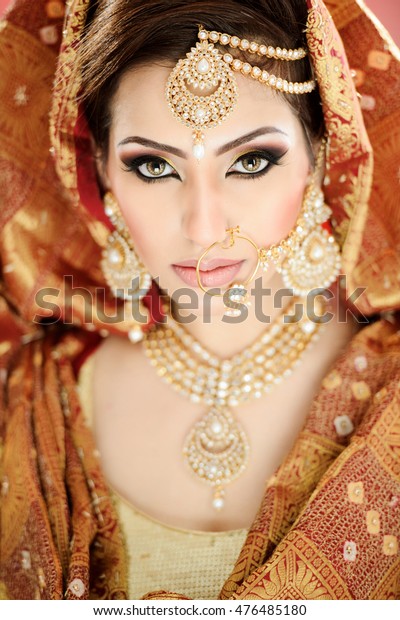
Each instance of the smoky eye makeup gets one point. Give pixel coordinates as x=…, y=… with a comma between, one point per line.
x=256, y=162
x=149, y=168
x=252, y=163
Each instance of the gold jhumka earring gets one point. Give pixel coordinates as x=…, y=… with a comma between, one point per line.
x=309, y=256
x=123, y=271
x=202, y=91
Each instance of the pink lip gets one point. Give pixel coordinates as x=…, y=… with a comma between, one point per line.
x=213, y=273
x=208, y=265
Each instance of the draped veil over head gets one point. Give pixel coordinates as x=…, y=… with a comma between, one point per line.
x=52, y=224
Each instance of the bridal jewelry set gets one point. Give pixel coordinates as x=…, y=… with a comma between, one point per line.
x=216, y=448
x=201, y=92
x=204, y=69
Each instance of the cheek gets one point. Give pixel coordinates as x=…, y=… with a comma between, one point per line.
x=136, y=210
x=149, y=235
x=285, y=216
x=285, y=197
x=279, y=213
x=143, y=233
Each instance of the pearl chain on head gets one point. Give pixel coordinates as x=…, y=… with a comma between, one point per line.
x=201, y=90
x=255, y=72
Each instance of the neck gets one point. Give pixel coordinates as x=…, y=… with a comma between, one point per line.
x=226, y=337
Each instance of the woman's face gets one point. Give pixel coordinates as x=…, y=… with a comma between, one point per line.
x=253, y=175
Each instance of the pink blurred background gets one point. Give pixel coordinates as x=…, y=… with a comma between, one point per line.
x=388, y=11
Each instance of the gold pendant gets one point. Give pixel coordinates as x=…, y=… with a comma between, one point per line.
x=217, y=450
x=201, y=91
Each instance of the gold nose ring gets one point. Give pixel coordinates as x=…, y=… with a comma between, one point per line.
x=233, y=234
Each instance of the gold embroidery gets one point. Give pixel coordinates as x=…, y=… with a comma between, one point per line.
x=379, y=60
x=64, y=110
x=26, y=87
x=286, y=495
x=376, y=452
x=332, y=381
x=373, y=522
x=390, y=545
x=361, y=390
x=384, y=439
x=300, y=571
x=388, y=586
x=355, y=492
x=348, y=140
x=340, y=119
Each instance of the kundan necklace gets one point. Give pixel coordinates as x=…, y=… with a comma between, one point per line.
x=217, y=449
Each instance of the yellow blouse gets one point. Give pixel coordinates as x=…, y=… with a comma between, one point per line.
x=162, y=557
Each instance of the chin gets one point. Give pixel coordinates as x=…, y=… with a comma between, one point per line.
x=199, y=306
x=207, y=311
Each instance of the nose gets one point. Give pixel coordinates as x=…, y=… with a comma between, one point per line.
x=204, y=219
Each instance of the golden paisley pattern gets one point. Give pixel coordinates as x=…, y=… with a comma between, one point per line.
x=349, y=154
x=299, y=572
x=376, y=261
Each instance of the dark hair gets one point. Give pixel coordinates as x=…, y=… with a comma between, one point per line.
x=125, y=33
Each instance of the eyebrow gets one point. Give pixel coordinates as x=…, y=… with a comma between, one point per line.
x=153, y=145
x=247, y=137
x=220, y=151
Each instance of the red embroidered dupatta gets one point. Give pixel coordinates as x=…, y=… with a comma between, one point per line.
x=328, y=526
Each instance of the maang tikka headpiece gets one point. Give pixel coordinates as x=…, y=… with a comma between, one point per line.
x=202, y=90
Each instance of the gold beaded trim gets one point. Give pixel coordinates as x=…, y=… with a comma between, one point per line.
x=255, y=72
x=251, y=46
x=216, y=448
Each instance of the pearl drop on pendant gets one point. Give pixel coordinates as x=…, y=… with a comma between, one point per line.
x=218, y=503
x=216, y=427
x=198, y=151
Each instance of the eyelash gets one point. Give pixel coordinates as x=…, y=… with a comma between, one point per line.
x=271, y=156
x=132, y=165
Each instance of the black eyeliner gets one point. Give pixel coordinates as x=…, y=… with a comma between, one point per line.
x=131, y=164
x=273, y=156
